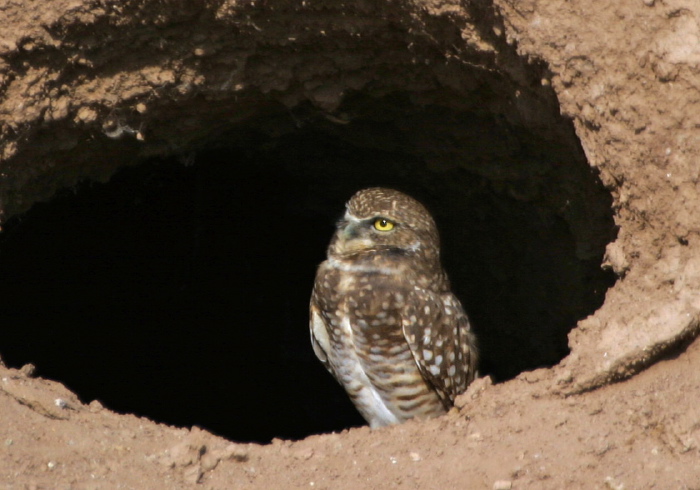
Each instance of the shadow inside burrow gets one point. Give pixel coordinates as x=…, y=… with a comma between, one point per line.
x=180, y=292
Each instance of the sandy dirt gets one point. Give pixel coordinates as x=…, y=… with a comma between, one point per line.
x=87, y=87
x=640, y=433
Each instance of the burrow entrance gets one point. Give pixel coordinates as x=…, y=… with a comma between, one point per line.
x=179, y=289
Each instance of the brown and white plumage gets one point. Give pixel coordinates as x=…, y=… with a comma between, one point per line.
x=383, y=319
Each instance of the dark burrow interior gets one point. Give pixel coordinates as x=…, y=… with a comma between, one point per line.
x=179, y=290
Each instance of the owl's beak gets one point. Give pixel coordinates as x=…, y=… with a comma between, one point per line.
x=351, y=239
x=351, y=230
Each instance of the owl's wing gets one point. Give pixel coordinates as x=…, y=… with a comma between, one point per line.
x=319, y=336
x=439, y=334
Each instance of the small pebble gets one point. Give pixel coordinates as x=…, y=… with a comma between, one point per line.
x=28, y=370
x=193, y=474
x=95, y=406
x=503, y=485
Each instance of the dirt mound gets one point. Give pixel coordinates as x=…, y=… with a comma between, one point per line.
x=548, y=139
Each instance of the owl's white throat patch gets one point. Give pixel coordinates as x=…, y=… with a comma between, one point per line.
x=346, y=266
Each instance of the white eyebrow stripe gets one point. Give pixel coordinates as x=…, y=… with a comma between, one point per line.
x=351, y=217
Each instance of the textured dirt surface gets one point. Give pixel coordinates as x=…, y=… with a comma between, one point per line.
x=640, y=433
x=87, y=87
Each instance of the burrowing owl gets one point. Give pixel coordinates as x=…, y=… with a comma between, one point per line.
x=383, y=319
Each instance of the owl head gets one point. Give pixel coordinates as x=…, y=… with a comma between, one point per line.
x=385, y=220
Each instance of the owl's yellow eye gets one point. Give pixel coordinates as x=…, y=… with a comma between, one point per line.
x=383, y=224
